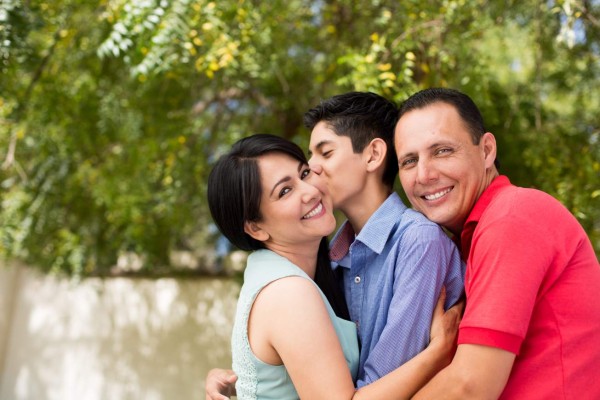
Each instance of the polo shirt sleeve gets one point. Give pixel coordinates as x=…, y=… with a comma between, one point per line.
x=507, y=264
x=423, y=259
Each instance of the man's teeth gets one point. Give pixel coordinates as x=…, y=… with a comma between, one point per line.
x=314, y=212
x=437, y=195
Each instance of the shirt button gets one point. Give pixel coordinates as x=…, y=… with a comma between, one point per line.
x=357, y=279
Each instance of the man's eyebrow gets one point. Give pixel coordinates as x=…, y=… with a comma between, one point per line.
x=409, y=154
x=285, y=178
x=430, y=147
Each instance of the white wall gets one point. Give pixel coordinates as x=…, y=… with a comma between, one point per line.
x=8, y=284
x=111, y=339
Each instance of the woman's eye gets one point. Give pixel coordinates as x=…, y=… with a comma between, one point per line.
x=305, y=173
x=284, y=191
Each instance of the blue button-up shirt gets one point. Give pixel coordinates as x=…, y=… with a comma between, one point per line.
x=392, y=276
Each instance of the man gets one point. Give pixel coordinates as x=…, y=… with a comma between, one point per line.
x=391, y=260
x=531, y=327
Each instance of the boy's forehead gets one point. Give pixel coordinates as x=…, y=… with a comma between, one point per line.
x=323, y=135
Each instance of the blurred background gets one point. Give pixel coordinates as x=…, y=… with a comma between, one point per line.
x=114, y=283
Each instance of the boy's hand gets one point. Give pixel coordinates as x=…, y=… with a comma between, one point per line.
x=220, y=384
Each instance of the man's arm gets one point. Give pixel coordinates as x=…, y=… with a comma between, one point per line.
x=476, y=372
x=422, y=261
x=220, y=384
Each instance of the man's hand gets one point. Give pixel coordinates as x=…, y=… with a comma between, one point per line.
x=220, y=384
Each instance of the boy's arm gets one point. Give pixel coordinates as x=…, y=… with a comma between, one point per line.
x=220, y=384
x=422, y=264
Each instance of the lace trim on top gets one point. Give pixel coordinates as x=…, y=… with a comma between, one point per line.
x=246, y=386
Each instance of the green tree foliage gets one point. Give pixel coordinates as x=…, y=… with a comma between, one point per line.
x=112, y=112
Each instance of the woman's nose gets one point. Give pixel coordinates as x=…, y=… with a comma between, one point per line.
x=309, y=191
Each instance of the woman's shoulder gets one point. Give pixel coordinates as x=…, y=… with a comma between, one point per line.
x=266, y=265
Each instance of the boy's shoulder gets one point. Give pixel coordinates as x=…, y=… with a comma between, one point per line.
x=415, y=229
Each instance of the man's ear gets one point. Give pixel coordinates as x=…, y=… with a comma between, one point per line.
x=255, y=231
x=375, y=154
x=488, y=144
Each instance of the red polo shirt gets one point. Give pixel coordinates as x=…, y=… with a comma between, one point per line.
x=532, y=284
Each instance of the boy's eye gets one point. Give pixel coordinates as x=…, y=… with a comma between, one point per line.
x=326, y=153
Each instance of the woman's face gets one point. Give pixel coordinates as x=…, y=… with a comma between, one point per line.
x=295, y=209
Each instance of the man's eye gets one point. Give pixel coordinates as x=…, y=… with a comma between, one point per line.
x=443, y=150
x=408, y=162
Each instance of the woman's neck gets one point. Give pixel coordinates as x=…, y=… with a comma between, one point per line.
x=305, y=257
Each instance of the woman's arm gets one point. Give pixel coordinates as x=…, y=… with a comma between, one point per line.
x=289, y=324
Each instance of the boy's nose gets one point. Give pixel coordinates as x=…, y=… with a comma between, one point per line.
x=315, y=167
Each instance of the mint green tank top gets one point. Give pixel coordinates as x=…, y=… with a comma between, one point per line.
x=256, y=379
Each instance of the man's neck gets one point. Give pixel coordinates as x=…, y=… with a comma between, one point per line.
x=360, y=208
x=490, y=175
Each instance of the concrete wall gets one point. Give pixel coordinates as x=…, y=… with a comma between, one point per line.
x=117, y=338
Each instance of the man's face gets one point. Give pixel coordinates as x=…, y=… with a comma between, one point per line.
x=442, y=172
x=332, y=157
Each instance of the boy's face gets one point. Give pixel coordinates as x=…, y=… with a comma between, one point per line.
x=343, y=170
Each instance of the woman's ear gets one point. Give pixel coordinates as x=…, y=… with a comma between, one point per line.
x=255, y=231
x=488, y=142
x=375, y=153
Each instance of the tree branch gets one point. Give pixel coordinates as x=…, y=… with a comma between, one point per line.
x=24, y=102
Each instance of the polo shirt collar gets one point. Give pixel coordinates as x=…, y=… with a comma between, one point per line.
x=499, y=183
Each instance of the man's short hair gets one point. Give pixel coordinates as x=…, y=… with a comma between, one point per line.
x=464, y=105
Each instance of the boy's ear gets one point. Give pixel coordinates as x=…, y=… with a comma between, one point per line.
x=255, y=231
x=375, y=153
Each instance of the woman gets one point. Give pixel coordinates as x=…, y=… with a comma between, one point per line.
x=288, y=340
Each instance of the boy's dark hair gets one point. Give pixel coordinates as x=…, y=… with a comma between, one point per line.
x=362, y=116
x=464, y=105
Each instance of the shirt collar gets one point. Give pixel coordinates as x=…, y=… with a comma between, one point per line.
x=340, y=245
x=499, y=183
x=375, y=232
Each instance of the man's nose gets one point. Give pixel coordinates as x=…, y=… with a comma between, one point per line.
x=426, y=172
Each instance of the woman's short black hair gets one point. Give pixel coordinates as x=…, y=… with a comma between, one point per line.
x=234, y=186
x=234, y=193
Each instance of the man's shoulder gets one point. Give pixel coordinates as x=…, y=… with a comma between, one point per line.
x=516, y=202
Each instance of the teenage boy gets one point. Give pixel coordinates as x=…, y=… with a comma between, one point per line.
x=392, y=261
